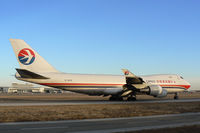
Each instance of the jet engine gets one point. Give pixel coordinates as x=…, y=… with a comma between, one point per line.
x=157, y=91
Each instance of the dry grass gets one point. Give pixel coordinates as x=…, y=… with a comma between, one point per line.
x=69, y=112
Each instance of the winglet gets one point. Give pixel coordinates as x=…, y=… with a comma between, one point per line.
x=127, y=73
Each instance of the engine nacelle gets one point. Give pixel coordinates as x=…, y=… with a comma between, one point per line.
x=157, y=91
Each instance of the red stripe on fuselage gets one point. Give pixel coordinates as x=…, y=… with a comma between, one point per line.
x=79, y=84
x=94, y=84
x=183, y=86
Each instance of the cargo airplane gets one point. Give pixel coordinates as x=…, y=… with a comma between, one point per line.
x=34, y=69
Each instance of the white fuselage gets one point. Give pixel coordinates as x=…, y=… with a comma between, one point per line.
x=35, y=69
x=105, y=84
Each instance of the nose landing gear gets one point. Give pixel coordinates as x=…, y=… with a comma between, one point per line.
x=176, y=96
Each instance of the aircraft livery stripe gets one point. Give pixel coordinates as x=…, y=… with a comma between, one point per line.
x=94, y=84
x=80, y=84
x=183, y=86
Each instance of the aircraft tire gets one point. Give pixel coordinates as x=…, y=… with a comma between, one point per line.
x=113, y=98
x=176, y=97
x=131, y=99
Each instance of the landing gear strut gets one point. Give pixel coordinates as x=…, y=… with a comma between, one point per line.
x=176, y=96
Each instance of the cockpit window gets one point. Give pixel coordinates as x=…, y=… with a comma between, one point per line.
x=181, y=77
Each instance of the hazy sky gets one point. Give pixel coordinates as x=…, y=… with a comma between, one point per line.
x=103, y=36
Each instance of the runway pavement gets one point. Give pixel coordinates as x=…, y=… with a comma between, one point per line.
x=84, y=102
x=103, y=125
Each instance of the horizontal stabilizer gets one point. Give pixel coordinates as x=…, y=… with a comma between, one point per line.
x=28, y=74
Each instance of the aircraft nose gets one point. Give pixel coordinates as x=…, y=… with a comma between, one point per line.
x=188, y=85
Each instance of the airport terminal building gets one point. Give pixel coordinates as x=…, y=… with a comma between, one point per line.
x=27, y=88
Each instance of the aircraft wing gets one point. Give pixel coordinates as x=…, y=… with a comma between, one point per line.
x=133, y=83
x=132, y=78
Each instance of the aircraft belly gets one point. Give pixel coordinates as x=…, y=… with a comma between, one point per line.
x=95, y=90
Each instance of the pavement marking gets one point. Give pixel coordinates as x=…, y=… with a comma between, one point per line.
x=43, y=128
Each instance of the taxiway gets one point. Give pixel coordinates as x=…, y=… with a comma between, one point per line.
x=104, y=125
x=84, y=102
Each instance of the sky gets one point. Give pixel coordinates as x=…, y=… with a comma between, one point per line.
x=104, y=36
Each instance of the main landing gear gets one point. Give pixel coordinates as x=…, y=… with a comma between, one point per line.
x=115, y=98
x=131, y=98
x=118, y=98
x=176, y=96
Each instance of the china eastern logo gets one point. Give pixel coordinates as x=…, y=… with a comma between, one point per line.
x=126, y=72
x=26, y=56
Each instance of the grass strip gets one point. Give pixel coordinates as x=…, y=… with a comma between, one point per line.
x=74, y=112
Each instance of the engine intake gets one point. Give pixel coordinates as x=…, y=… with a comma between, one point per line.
x=157, y=91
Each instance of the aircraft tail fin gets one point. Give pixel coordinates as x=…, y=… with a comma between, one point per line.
x=28, y=58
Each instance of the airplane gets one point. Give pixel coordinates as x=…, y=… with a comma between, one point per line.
x=35, y=69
